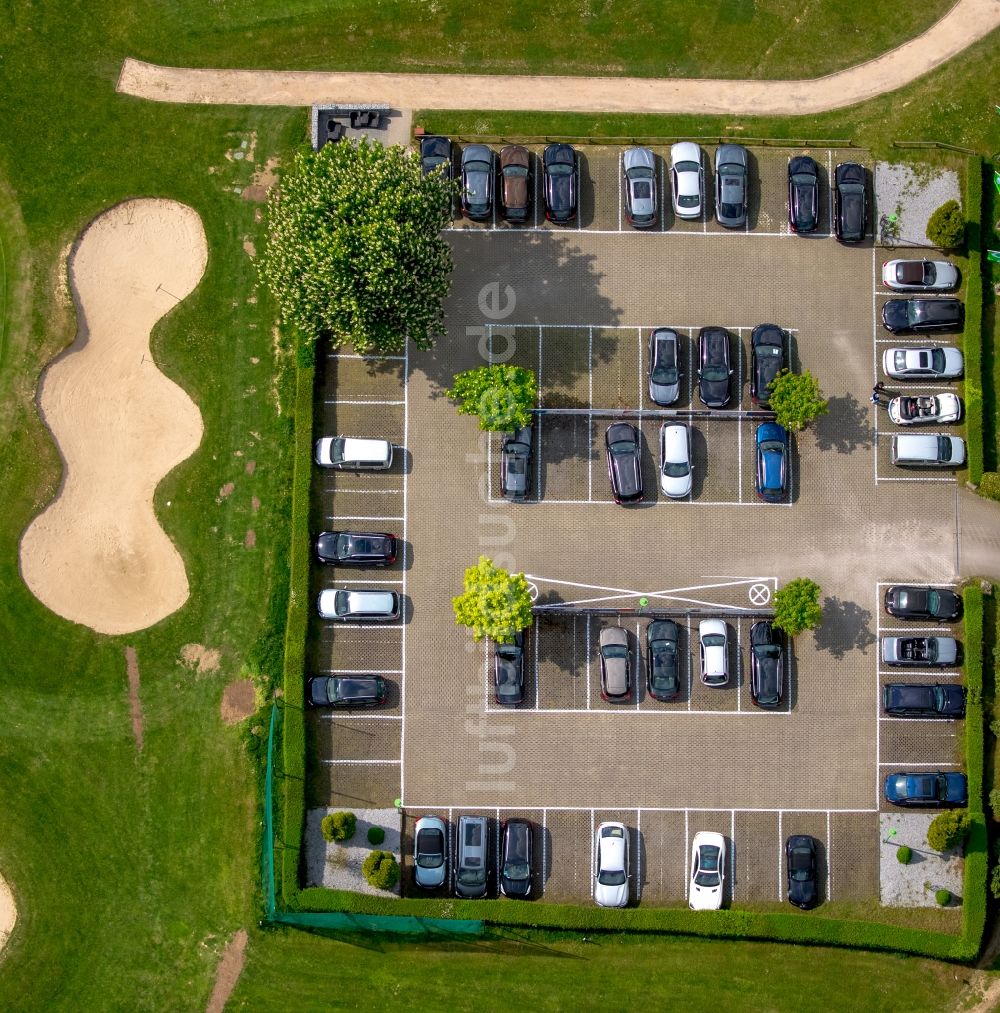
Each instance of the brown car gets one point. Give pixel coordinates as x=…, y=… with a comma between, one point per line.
x=515, y=183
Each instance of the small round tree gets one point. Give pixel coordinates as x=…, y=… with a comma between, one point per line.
x=376, y=835
x=943, y=897
x=796, y=399
x=946, y=227
x=904, y=854
x=948, y=829
x=495, y=603
x=796, y=606
x=501, y=396
x=381, y=870
x=339, y=826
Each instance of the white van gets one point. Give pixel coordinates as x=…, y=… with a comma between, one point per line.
x=353, y=454
x=928, y=450
x=358, y=606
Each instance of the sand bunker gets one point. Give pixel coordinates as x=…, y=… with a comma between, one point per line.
x=8, y=912
x=97, y=555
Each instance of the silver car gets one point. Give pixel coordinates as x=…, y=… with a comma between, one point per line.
x=920, y=275
x=615, y=669
x=640, y=187
x=922, y=363
x=731, y=186
x=664, y=366
x=688, y=175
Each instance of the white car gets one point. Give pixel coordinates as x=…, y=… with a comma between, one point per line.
x=922, y=363
x=920, y=275
x=708, y=871
x=611, y=865
x=713, y=639
x=675, y=461
x=688, y=174
x=430, y=852
x=935, y=408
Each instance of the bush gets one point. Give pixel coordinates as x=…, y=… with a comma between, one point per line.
x=943, y=897
x=381, y=870
x=946, y=227
x=339, y=826
x=989, y=485
x=995, y=803
x=948, y=829
x=904, y=854
x=376, y=835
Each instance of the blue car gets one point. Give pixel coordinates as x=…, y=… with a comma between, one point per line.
x=772, y=462
x=927, y=789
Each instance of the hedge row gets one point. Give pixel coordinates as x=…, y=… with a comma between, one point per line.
x=973, y=338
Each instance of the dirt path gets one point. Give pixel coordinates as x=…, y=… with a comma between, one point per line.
x=227, y=974
x=965, y=23
x=97, y=555
x=8, y=912
x=982, y=995
x=134, y=703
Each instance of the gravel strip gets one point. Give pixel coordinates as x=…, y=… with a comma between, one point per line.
x=914, y=885
x=913, y=196
x=338, y=866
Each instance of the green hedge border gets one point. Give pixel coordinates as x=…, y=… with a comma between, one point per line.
x=973, y=333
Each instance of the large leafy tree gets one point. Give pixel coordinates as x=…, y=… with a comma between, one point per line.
x=501, y=396
x=796, y=399
x=495, y=603
x=796, y=606
x=354, y=249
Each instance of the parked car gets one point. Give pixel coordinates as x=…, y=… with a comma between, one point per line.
x=358, y=606
x=639, y=166
x=731, y=185
x=923, y=450
x=356, y=548
x=772, y=462
x=922, y=363
x=767, y=665
x=515, y=465
x=347, y=691
x=800, y=868
x=920, y=275
x=611, y=865
x=473, y=861
x=430, y=853
x=927, y=789
x=515, y=183
x=850, y=203
x=516, y=859
x=561, y=169
x=713, y=367
x=623, y=447
x=616, y=669
x=675, y=460
x=906, y=601
x=767, y=359
x=914, y=316
x=663, y=681
x=932, y=409
x=708, y=871
x=713, y=642
x=435, y=153
x=920, y=652
x=803, y=194
x=688, y=175
x=664, y=366
x=508, y=671
x=351, y=454
x=918, y=700
x=477, y=182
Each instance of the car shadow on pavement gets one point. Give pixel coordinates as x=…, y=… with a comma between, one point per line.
x=845, y=427
x=846, y=627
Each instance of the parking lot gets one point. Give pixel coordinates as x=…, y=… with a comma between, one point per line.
x=576, y=305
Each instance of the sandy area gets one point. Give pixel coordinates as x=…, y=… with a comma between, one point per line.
x=97, y=554
x=8, y=912
x=966, y=22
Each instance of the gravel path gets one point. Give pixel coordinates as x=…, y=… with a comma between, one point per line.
x=913, y=197
x=338, y=866
x=914, y=885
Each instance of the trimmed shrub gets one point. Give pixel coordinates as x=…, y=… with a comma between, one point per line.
x=995, y=803
x=972, y=333
x=948, y=829
x=989, y=485
x=376, y=835
x=904, y=854
x=943, y=897
x=339, y=826
x=946, y=227
x=381, y=870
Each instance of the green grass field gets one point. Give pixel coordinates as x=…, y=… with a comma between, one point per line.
x=131, y=870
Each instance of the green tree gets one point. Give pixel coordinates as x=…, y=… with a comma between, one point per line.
x=502, y=396
x=495, y=603
x=354, y=249
x=946, y=227
x=796, y=606
x=796, y=399
x=948, y=829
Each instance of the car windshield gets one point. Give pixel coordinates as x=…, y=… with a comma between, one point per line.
x=687, y=167
x=933, y=602
x=611, y=878
x=430, y=849
x=714, y=640
x=941, y=784
x=515, y=171
x=685, y=201
x=730, y=210
x=623, y=449
x=560, y=169
x=767, y=651
x=477, y=166
x=769, y=351
x=615, y=651
x=937, y=360
x=675, y=469
x=516, y=870
x=713, y=374
x=803, y=179
x=472, y=877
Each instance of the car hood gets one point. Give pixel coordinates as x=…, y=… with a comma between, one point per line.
x=802, y=893
x=705, y=898
x=611, y=896
x=894, y=314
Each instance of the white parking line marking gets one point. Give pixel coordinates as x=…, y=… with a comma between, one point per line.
x=341, y=716
x=621, y=169
x=638, y=658
x=361, y=671
x=590, y=421
x=739, y=666
x=538, y=476
x=367, y=358
x=781, y=840
x=451, y=850
x=687, y=850
x=908, y=763
x=498, y=853
x=593, y=849
x=588, y=662
x=363, y=517
x=537, y=680
x=830, y=185
x=352, y=401
x=348, y=763
x=366, y=580
x=646, y=808
x=623, y=232
x=662, y=195
x=611, y=709
x=545, y=852
x=829, y=861
x=638, y=855
x=732, y=854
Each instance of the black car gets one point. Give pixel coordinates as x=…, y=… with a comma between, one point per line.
x=478, y=178
x=436, y=151
x=919, y=700
x=347, y=691
x=803, y=194
x=927, y=789
x=508, y=672
x=516, y=859
x=561, y=169
x=905, y=601
x=713, y=367
x=767, y=665
x=515, y=464
x=800, y=867
x=356, y=548
x=662, y=670
x=850, y=203
x=767, y=359
x=914, y=316
x=624, y=450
